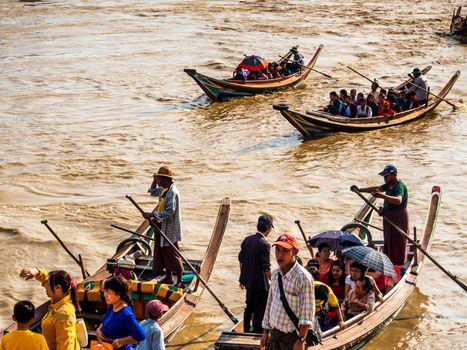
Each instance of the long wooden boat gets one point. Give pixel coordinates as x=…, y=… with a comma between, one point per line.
x=224, y=89
x=363, y=327
x=314, y=123
x=181, y=302
x=458, y=23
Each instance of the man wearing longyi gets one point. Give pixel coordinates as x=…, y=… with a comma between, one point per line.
x=395, y=195
x=294, y=282
x=167, y=217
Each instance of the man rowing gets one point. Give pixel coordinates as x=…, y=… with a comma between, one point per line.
x=395, y=209
x=166, y=217
x=419, y=86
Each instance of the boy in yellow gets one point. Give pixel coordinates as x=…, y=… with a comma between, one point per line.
x=59, y=324
x=22, y=338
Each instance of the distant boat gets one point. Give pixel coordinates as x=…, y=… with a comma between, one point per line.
x=458, y=23
x=224, y=89
x=314, y=123
x=361, y=328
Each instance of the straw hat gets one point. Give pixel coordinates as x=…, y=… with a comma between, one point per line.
x=165, y=171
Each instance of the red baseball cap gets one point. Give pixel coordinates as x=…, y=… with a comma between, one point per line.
x=386, y=104
x=156, y=308
x=287, y=241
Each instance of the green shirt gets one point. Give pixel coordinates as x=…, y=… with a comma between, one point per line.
x=399, y=189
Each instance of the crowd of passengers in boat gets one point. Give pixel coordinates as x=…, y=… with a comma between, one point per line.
x=376, y=104
x=379, y=102
x=345, y=288
x=274, y=70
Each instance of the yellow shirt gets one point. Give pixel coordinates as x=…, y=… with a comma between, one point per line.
x=59, y=324
x=161, y=204
x=332, y=299
x=22, y=340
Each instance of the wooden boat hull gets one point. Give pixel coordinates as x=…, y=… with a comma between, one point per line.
x=314, y=123
x=174, y=318
x=363, y=327
x=224, y=89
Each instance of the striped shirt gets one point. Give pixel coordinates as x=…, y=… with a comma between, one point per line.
x=299, y=291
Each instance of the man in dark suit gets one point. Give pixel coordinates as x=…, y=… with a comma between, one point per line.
x=255, y=274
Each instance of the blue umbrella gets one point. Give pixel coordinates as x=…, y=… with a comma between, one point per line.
x=337, y=240
x=374, y=259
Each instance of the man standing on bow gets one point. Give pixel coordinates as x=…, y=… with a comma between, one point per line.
x=255, y=273
x=418, y=86
x=285, y=330
x=167, y=218
x=395, y=195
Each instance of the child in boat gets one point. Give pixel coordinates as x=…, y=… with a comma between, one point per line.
x=360, y=299
x=154, y=336
x=386, y=109
x=336, y=279
x=357, y=271
x=22, y=338
x=325, y=261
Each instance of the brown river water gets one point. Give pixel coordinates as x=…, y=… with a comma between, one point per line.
x=93, y=99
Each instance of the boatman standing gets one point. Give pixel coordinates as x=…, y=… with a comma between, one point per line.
x=419, y=86
x=255, y=274
x=395, y=195
x=295, y=283
x=167, y=217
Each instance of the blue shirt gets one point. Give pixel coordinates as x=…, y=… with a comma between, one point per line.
x=154, y=336
x=121, y=324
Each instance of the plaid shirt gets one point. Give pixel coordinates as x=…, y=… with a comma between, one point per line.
x=171, y=216
x=299, y=291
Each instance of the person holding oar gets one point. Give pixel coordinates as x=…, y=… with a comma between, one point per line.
x=167, y=217
x=419, y=86
x=395, y=195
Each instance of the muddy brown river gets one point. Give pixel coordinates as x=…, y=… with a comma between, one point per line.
x=93, y=99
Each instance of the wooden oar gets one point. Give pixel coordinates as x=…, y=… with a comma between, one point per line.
x=430, y=93
x=79, y=261
x=201, y=279
x=303, y=66
x=419, y=247
x=366, y=223
x=364, y=76
x=308, y=245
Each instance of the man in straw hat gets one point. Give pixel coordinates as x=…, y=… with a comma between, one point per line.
x=419, y=86
x=280, y=332
x=167, y=217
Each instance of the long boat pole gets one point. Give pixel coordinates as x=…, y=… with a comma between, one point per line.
x=419, y=247
x=308, y=245
x=201, y=279
x=79, y=261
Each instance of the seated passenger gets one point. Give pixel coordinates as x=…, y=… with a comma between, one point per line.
x=350, y=110
x=400, y=102
x=360, y=97
x=276, y=71
x=327, y=309
x=360, y=299
x=353, y=96
x=343, y=94
x=358, y=271
x=372, y=104
x=392, y=99
x=325, y=261
x=284, y=70
x=269, y=71
x=336, y=279
x=261, y=75
x=381, y=100
x=411, y=101
x=363, y=111
x=386, y=110
x=238, y=74
x=335, y=106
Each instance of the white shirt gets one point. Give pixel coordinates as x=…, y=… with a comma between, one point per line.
x=364, y=112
